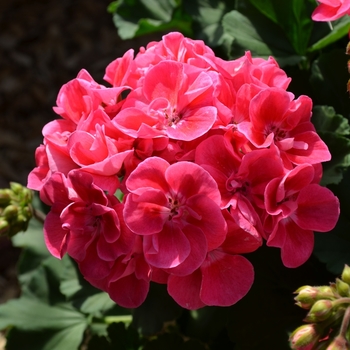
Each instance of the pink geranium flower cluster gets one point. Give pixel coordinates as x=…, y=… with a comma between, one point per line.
x=211, y=157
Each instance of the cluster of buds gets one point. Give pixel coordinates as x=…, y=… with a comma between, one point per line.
x=15, y=209
x=328, y=317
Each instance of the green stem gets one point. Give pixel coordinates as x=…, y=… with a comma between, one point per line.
x=124, y=318
x=39, y=215
x=345, y=323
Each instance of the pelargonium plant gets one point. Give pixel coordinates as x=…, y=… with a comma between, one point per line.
x=175, y=168
x=166, y=188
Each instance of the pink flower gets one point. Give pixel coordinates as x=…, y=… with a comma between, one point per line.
x=176, y=100
x=274, y=117
x=176, y=210
x=128, y=281
x=241, y=181
x=297, y=206
x=85, y=223
x=330, y=10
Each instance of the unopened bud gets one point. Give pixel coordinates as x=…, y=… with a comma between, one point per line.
x=306, y=297
x=4, y=226
x=304, y=337
x=339, y=343
x=5, y=196
x=342, y=288
x=10, y=212
x=348, y=48
x=320, y=311
x=345, y=276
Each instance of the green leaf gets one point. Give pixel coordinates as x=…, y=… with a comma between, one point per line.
x=97, y=304
x=256, y=33
x=340, y=28
x=333, y=129
x=31, y=314
x=207, y=17
x=333, y=250
x=292, y=16
x=329, y=76
x=32, y=239
x=139, y=17
x=67, y=338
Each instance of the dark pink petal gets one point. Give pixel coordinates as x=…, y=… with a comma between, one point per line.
x=318, y=209
x=185, y=290
x=148, y=174
x=167, y=249
x=217, y=153
x=146, y=214
x=197, y=255
x=246, y=216
x=85, y=189
x=239, y=241
x=210, y=219
x=316, y=151
x=129, y=291
x=225, y=278
x=93, y=267
x=188, y=179
x=55, y=235
x=296, y=243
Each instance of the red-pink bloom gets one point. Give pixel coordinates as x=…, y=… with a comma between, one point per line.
x=276, y=118
x=297, y=206
x=85, y=223
x=241, y=181
x=128, y=281
x=330, y=10
x=257, y=71
x=176, y=210
x=176, y=100
x=82, y=95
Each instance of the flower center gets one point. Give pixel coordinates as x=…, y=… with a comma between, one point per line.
x=174, y=207
x=279, y=134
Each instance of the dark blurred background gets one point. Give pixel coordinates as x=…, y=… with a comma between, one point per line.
x=44, y=44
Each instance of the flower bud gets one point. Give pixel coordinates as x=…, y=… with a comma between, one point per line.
x=4, y=226
x=345, y=276
x=10, y=212
x=5, y=196
x=304, y=337
x=320, y=311
x=306, y=297
x=342, y=288
x=339, y=343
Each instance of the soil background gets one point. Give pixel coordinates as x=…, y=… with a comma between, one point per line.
x=43, y=45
